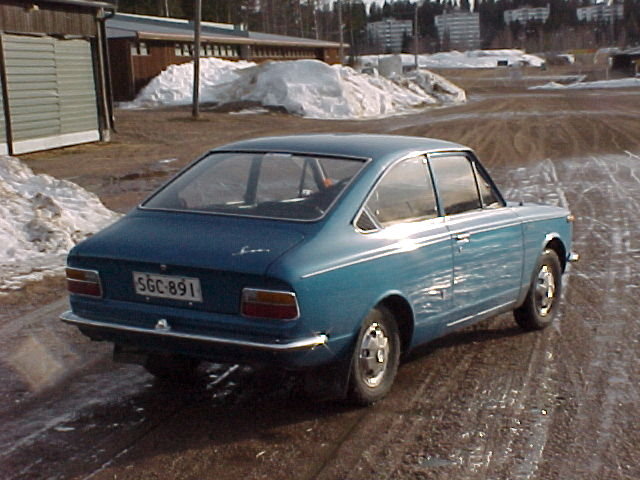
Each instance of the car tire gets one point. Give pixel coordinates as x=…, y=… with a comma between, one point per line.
x=540, y=307
x=172, y=368
x=375, y=358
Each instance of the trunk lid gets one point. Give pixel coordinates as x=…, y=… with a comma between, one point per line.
x=225, y=254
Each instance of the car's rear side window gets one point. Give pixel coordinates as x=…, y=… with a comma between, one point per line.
x=269, y=185
x=404, y=194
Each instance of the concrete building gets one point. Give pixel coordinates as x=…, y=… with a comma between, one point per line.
x=54, y=88
x=390, y=33
x=459, y=30
x=526, y=14
x=600, y=13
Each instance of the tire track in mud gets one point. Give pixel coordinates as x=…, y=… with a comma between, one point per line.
x=614, y=272
x=484, y=422
x=356, y=453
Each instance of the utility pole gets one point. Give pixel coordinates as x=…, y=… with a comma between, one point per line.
x=415, y=34
x=163, y=7
x=196, y=59
x=341, y=51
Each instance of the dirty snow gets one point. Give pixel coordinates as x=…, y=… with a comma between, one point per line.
x=469, y=59
x=41, y=218
x=618, y=83
x=309, y=88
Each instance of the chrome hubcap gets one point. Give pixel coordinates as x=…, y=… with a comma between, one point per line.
x=374, y=355
x=545, y=290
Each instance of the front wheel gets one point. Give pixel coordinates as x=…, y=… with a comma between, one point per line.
x=375, y=358
x=541, y=304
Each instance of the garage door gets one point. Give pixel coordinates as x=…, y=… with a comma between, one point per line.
x=51, y=92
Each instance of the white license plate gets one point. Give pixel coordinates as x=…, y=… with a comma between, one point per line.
x=167, y=286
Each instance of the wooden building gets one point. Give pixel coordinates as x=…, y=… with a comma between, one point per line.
x=627, y=61
x=140, y=47
x=53, y=74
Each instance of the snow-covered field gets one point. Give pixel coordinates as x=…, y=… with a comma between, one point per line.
x=41, y=218
x=618, y=83
x=469, y=59
x=309, y=88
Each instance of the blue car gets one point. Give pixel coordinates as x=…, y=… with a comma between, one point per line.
x=331, y=255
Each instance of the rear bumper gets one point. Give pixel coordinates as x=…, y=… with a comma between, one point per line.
x=298, y=345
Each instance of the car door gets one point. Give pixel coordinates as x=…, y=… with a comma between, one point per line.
x=485, y=234
x=401, y=212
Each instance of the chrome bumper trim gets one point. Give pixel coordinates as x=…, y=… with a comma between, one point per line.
x=573, y=257
x=302, y=344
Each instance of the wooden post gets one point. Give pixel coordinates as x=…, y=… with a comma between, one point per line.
x=340, y=32
x=415, y=35
x=196, y=59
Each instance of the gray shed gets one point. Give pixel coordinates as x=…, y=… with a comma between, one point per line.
x=53, y=74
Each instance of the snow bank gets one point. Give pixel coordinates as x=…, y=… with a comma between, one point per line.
x=313, y=89
x=174, y=86
x=470, y=59
x=309, y=88
x=618, y=83
x=41, y=218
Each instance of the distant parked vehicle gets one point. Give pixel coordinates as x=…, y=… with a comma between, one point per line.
x=333, y=255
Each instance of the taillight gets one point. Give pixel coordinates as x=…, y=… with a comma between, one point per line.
x=280, y=305
x=83, y=282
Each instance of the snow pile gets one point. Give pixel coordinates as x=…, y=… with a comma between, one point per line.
x=313, y=89
x=174, y=86
x=41, y=218
x=619, y=83
x=309, y=88
x=469, y=59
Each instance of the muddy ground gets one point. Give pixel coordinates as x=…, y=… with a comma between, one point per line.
x=489, y=402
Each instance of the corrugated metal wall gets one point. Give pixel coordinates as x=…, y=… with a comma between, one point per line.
x=51, y=92
x=76, y=86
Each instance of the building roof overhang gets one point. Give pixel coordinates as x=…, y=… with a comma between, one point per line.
x=169, y=29
x=82, y=3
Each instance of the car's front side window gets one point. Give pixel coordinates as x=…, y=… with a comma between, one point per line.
x=456, y=184
x=487, y=194
x=405, y=194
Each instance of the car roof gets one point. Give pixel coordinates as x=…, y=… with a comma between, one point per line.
x=376, y=147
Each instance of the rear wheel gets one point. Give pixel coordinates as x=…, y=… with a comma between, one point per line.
x=375, y=358
x=541, y=305
x=173, y=368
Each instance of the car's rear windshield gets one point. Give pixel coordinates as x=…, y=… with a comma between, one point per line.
x=267, y=185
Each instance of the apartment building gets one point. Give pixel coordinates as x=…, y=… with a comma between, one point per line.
x=600, y=13
x=459, y=30
x=390, y=33
x=526, y=14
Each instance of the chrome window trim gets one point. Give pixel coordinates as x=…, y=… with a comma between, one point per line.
x=477, y=169
x=387, y=169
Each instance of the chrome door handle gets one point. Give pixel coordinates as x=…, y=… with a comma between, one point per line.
x=462, y=237
x=436, y=292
